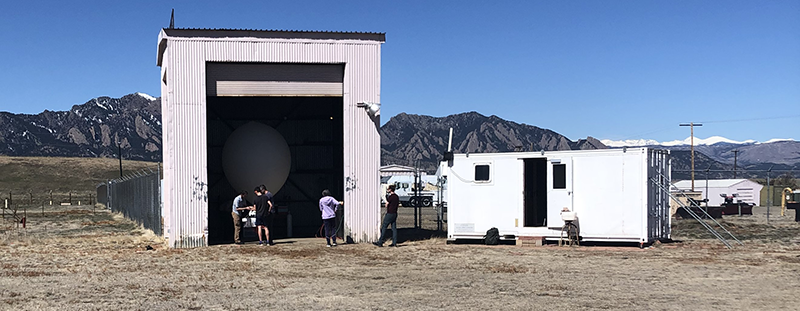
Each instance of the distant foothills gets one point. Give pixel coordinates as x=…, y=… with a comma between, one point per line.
x=132, y=125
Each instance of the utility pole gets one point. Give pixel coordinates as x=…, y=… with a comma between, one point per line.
x=769, y=190
x=119, y=152
x=706, y=193
x=735, y=157
x=691, y=126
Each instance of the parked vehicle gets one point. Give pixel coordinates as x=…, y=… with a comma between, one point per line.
x=404, y=188
x=729, y=207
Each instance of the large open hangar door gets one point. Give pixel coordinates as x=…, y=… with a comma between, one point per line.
x=303, y=103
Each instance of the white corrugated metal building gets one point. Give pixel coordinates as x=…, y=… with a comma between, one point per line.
x=746, y=190
x=317, y=89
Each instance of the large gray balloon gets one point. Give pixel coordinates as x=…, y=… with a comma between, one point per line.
x=256, y=154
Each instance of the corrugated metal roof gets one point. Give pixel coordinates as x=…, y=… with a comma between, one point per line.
x=713, y=183
x=283, y=34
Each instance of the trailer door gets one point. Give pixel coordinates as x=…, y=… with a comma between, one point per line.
x=535, y=192
x=559, y=190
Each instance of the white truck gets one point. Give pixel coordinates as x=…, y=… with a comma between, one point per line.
x=404, y=188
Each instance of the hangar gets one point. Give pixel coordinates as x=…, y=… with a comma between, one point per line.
x=298, y=111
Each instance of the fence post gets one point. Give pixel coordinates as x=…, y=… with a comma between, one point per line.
x=51, y=197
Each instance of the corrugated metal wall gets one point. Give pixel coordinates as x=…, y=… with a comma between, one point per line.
x=184, y=127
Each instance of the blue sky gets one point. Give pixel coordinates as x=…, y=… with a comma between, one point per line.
x=607, y=69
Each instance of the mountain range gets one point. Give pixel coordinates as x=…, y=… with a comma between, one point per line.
x=98, y=128
x=131, y=124
x=719, y=153
x=408, y=138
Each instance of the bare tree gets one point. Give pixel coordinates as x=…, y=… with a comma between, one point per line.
x=786, y=180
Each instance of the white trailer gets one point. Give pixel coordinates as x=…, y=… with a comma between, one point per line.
x=613, y=192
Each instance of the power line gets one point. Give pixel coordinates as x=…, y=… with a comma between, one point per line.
x=717, y=121
x=753, y=119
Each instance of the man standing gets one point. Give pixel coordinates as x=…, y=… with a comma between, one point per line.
x=329, y=206
x=392, y=202
x=262, y=205
x=238, y=205
x=271, y=214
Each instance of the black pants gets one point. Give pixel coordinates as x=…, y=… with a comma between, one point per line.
x=330, y=229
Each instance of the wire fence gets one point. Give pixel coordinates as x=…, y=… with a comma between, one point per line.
x=32, y=199
x=137, y=197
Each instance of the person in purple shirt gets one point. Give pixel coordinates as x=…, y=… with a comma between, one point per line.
x=329, y=206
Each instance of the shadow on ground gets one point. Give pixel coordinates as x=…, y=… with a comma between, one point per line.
x=412, y=234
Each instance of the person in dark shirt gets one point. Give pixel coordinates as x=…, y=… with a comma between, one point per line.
x=262, y=205
x=392, y=202
x=271, y=214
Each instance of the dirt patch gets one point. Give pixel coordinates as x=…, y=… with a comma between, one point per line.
x=79, y=261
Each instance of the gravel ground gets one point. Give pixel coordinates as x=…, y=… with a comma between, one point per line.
x=77, y=259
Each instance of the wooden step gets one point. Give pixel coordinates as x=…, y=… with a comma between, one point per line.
x=530, y=241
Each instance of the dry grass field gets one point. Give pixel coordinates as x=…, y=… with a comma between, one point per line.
x=71, y=258
x=40, y=175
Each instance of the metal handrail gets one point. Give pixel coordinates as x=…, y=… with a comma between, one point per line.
x=709, y=217
x=694, y=215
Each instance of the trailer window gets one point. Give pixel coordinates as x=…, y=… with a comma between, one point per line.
x=559, y=176
x=481, y=172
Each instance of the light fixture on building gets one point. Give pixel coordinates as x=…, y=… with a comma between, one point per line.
x=374, y=109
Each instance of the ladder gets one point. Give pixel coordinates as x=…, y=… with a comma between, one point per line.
x=697, y=217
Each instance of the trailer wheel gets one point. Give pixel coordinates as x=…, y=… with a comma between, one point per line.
x=413, y=202
x=427, y=202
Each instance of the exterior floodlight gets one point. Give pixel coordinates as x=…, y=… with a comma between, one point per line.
x=374, y=109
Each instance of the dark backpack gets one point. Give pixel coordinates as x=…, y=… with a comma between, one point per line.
x=492, y=237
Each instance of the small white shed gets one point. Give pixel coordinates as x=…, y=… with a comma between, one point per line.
x=613, y=192
x=746, y=190
x=307, y=99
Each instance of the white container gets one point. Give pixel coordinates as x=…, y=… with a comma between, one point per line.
x=568, y=216
x=614, y=190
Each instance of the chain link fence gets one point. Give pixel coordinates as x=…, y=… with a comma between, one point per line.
x=137, y=197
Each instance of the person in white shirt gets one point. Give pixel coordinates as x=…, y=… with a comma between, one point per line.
x=238, y=205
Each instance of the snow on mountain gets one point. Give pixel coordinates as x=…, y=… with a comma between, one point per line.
x=148, y=97
x=775, y=140
x=708, y=141
x=629, y=142
x=697, y=142
x=99, y=127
